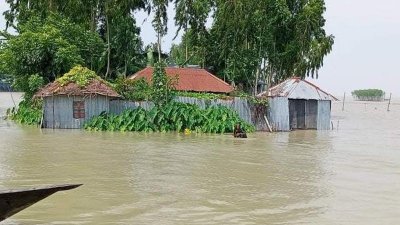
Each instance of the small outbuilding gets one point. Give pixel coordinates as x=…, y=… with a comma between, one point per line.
x=189, y=79
x=298, y=104
x=74, y=98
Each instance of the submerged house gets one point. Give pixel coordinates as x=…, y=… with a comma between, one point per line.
x=68, y=105
x=298, y=104
x=189, y=79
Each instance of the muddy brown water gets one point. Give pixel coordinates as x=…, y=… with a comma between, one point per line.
x=345, y=176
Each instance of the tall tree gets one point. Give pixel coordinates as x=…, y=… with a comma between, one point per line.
x=193, y=14
x=160, y=21
x=273, y=38
x=43, y=48
x=112, y=19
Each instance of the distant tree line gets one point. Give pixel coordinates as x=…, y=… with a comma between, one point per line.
x=368, y=95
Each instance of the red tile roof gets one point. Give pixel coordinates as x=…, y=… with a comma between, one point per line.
x=190, y=79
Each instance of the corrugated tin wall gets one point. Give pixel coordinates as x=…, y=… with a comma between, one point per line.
x=241, y=106
x=278, y=113
x=118, y=106
x=58, y=110
x=317, y=114
x=311, y=114
x=324, y=115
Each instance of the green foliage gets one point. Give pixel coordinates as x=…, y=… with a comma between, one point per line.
x=79, y=75
x=171, y=117
x=254, y=40
x=162, y=86
x=35, y=82
x=262, y=101
x=47, y=48
x=94, y=23
x=250, y=40
x=160, y=16
x=89, y=44
x=368, y=94
x=189, y=52
x=202, y=95
x=29, y=112
x=211, y=96
x=133, y=90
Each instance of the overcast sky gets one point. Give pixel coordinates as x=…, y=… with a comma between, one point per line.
x=365, y=53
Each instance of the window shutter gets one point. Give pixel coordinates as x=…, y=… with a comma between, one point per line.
x=79, y=109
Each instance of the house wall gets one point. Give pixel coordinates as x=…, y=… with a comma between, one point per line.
x=58, y=110
x=324, y=115
x=278, y=113
x=311, y=114
x=281, y=114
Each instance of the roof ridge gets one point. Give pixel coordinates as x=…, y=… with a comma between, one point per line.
x=319, y=89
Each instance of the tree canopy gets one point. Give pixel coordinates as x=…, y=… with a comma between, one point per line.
x=368, y=95
x=251, y=43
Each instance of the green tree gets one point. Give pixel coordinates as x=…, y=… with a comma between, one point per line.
x=112, y=20
x=267, y=40
x=160, y=21
x=368, y=95
x=191, y=16
x=48, y=48
x=189, y=51
x=162, y=86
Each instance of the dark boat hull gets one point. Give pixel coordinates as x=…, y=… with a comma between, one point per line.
x=13, y=201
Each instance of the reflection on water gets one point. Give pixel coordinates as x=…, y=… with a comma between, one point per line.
x=345, y=176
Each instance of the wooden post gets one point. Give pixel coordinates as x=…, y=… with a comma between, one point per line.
x=390, y=99
x=12, y=98
x=269, y=126
x=344, y=99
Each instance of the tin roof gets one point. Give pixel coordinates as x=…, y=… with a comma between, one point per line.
x=190, y=79
x=296, y=88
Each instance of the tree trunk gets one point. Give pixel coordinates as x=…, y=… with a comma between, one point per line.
x=256, y=82
x=108, y=46
x=159, y=47
x=126, y=67
x=93, y=19
x=51, y=6
x=186, y=51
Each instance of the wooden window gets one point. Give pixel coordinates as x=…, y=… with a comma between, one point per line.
x=79, y=109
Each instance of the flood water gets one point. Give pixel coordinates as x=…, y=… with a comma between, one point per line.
x=346, y=176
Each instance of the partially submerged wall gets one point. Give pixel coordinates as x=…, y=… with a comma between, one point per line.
x=245, y=110
x=58, y=110
x=278, y=113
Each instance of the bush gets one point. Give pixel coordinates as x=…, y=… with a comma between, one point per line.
x=174, y=116
x=28, y=112
x=133, y=90
x=207, y=96
x=79, y=75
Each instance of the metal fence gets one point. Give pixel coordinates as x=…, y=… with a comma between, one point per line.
x=243, y=108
